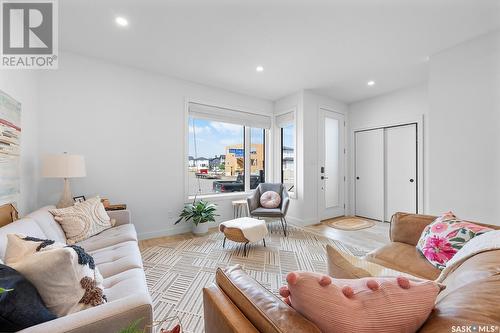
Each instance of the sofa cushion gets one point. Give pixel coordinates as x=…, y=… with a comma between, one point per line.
x=21, y=306
x=471, y=296
x=266, y=212
x=109, y=237
x=26, y=226
x=49, y=226
x=342, y=265
x=132, y=281
x=65, y=276
x=263, y=309
x=404, y=258
x=117, y=258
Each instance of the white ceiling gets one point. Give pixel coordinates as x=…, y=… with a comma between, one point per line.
x=333, y=47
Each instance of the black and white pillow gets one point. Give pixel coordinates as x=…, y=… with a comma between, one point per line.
x=65, y=275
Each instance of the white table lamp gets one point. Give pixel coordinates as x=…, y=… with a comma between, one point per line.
x=64, y=166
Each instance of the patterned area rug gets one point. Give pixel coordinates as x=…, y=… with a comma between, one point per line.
x=176, y=272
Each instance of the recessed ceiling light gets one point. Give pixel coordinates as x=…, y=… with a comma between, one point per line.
x=121, y=21
x=259, y=69
x=370, y=83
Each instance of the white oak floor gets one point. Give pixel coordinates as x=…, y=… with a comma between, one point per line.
x=369, y=239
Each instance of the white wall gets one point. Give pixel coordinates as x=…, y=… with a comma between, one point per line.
x=464, y=130
x=286, y=104
x=22, y=85
x=401, y=106
x=129, y=125
x=304, y=207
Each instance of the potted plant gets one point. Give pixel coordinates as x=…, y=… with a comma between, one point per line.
x=200, y=212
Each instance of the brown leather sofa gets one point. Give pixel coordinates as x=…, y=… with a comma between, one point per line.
x=238, y=303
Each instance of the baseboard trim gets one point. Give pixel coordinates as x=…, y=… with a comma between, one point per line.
x=175, y=230
x=301, y=222
x=186, y=227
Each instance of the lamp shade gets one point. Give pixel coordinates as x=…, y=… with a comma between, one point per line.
x=63, y=166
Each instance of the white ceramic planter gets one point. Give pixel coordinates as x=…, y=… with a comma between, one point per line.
x=200, y=229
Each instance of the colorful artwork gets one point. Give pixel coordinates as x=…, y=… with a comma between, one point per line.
x=10, y=148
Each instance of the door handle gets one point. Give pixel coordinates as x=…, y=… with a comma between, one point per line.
x=411, y=180
x=357, y=178
x=323, y=177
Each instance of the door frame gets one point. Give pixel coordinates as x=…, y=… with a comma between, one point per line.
x=320, y=148
x=419, y=121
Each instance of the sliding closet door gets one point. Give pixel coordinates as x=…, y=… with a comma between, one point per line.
x=369, y=174
x=400, y=170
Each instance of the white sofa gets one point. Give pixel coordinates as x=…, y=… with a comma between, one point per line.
x=116, y=254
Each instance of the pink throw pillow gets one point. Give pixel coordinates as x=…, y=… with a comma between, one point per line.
x=270, y=199
x=441, y=239
x=385, y=305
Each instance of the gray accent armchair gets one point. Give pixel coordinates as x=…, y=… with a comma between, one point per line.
x=256, y=210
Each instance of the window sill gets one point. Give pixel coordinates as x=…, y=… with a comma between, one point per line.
x=221, y=196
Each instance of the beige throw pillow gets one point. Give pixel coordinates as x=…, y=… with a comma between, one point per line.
x=82, y=220
x=64, y=275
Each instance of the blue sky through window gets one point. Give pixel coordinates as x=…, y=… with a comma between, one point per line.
x=212, y=137
x=288, y=132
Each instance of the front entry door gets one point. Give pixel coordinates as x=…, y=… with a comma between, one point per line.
x=331, y=158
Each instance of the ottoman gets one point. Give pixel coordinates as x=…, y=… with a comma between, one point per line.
x=244, y=230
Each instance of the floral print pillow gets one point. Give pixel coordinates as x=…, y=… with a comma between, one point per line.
x=441, y=239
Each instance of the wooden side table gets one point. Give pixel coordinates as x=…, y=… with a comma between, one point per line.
x=238, y=207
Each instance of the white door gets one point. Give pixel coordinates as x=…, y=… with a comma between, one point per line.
x=331, y=159
x=400, y=170
x=369, y=174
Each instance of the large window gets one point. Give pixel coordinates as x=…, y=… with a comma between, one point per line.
x=287, y=145
x=226, y=150
x=257, y=156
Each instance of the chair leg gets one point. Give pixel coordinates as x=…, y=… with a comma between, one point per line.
x=245, y=249
x=283, y=226
x=224, y=242
x=264, y=240
x=286, y=223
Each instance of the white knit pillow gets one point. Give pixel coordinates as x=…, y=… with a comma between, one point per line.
x=82, y=220
x=65, y=276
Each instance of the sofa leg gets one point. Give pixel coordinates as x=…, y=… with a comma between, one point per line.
x=224, y=242
x=283, y=225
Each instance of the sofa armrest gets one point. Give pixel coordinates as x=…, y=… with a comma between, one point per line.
x=221, y=315
x=407, y=228
x=262, y=308
x=120, y=216
x=106, y=318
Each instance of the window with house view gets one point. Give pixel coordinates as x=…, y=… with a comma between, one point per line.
x=287, y=127
x=219, y=157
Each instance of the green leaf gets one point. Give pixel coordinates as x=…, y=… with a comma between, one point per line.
x=132, y=328
x=3, y=290
x=458, y=239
